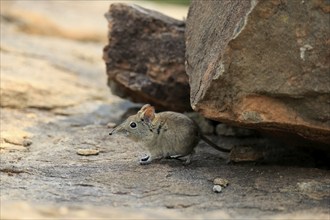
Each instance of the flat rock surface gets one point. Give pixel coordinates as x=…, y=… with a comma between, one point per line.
x=55, y=102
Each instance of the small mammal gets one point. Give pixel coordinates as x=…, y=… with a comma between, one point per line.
x=164, y=135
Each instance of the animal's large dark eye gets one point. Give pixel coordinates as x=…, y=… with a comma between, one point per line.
x=132, y=124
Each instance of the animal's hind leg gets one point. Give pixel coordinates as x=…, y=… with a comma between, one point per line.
x=186, y=159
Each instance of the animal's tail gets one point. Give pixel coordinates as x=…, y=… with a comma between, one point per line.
x=209, y=142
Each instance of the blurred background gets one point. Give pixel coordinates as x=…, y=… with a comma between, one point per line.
x=77, y=20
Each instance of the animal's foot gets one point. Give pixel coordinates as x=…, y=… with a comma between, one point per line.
x=145, y=160
x=188, y=160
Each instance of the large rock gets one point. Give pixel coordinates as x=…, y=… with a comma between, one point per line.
x=261, y=64
x=145, y=57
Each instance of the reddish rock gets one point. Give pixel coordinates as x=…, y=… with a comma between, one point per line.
x=261, y=64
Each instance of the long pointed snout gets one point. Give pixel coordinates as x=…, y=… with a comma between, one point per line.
x=111, y=132
x=115, y=130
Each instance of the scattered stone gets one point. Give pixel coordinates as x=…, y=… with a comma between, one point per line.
x=87, y=152
x=220, y=181
x=217, y=189
x=111, y=125
x=245, y=66
x=15, y=137
x=145, y=57
x=240, y=153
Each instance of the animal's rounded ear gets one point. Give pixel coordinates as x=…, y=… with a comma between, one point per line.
x=145, y=107
x=142, y=110
x=147, y=113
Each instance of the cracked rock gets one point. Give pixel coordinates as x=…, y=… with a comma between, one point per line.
x=245, y=66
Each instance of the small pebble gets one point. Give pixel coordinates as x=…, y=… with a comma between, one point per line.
x=217, y=188
x=87, y=152
x=111, y=125
x=221, y=182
